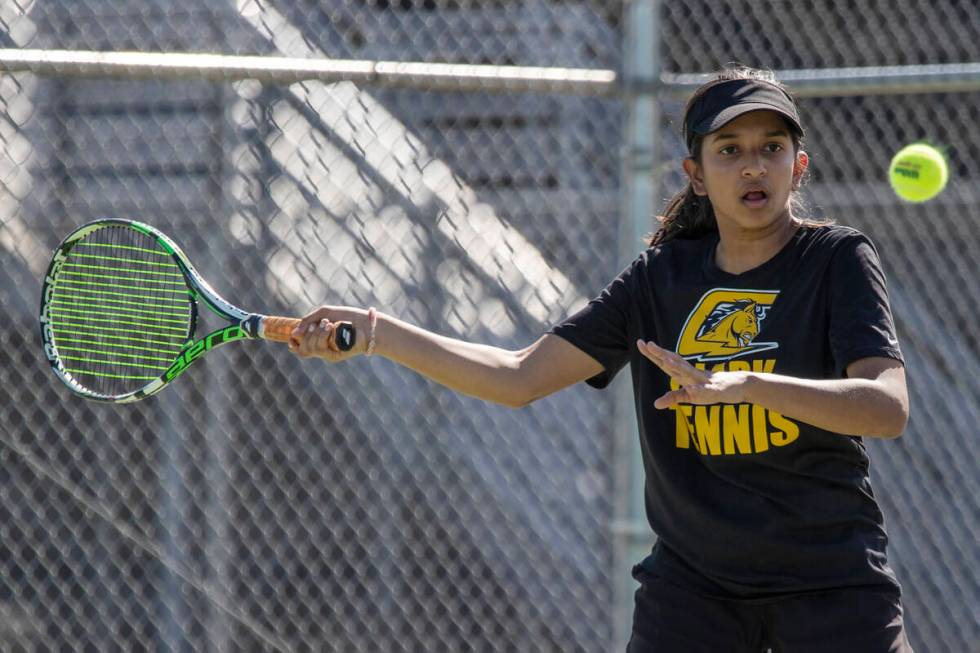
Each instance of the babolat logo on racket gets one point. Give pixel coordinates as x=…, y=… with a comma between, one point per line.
x=724, y=325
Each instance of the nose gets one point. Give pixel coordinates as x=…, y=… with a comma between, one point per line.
x=754, y=167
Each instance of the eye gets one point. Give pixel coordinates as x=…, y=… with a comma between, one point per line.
x=728, y=149
x=774, y=147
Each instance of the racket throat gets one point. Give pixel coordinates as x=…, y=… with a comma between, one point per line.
x=252, y=326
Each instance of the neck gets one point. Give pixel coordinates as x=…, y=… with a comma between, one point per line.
x=740, y=250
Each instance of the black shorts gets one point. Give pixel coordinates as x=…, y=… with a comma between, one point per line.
x=671, y=619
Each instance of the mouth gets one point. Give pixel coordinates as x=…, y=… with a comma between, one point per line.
x=755, y=199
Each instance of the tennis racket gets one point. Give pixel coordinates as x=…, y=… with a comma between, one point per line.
x=119, y=313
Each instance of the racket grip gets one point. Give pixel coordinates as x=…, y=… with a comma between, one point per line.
x=277, y=329
x=280, y=329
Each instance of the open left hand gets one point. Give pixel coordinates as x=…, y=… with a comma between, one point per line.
x=697, y=386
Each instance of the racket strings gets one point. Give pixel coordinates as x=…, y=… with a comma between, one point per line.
x=120, y=310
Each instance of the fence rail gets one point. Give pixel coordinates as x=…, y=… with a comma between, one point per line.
x=834, y=82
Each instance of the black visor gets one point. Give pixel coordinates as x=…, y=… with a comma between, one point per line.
x=727, y=100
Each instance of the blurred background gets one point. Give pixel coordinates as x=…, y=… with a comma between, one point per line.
x=264, y=503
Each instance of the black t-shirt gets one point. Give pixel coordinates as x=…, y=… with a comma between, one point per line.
x=748, y=503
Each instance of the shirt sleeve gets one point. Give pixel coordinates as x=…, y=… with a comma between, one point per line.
x=861, y=323
x=601, y=328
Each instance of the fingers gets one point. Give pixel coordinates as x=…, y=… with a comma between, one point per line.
x=315, y=340
x=306, y=325
x=674, y=397
x=316, y=333
x=672, y=364
x=691, y=379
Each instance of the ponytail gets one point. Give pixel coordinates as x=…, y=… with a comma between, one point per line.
x=687, y=215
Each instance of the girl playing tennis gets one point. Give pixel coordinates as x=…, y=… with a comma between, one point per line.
x=762, y=351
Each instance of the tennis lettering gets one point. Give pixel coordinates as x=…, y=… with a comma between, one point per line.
x=733, y=429
x=199, y=348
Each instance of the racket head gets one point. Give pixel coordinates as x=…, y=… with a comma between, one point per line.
x=117, y=309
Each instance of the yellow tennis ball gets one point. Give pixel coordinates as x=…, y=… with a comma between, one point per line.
x=918, y=172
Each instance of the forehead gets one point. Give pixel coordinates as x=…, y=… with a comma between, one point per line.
x=761, y=121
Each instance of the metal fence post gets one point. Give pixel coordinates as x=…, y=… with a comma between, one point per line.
x=642, y=117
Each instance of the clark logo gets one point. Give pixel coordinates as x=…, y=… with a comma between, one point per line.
x=724, y=325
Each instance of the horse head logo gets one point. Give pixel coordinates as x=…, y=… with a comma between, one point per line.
x=725, y=324
x=736, y=328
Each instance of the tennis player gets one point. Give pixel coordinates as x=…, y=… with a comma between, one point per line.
x=763, y=351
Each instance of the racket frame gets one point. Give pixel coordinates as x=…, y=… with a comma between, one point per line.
x=241, y=324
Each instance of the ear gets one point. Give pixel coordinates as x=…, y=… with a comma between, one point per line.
x=799, y=167
x=695, y=175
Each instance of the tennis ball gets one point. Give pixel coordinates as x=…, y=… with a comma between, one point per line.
x=918, y=172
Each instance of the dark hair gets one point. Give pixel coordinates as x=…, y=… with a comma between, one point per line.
x=688, y=215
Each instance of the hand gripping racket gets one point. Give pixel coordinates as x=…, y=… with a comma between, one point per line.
x=119, y=313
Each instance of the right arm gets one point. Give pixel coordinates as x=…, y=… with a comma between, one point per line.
x=510, y=378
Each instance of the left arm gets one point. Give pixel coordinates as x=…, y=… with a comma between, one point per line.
x=872, y=401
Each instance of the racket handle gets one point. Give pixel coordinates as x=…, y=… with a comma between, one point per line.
x=277, y=329
x=280, y=329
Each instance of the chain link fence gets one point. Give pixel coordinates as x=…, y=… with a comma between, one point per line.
x=264, y=503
